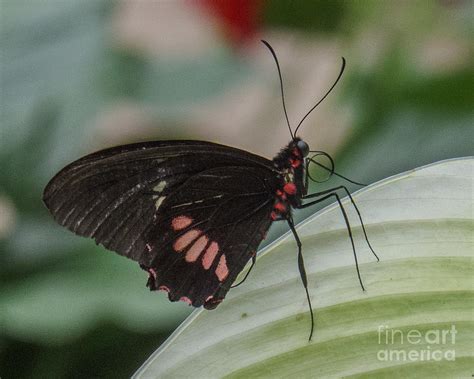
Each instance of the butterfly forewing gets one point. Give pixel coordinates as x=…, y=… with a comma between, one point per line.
x=168, y=204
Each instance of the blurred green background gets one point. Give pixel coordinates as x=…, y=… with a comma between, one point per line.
x=80, y=76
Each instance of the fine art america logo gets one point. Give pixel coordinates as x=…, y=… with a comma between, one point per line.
x=416, y=345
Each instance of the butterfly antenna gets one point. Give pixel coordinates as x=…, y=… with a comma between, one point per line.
x=281, y=86
x=327, y=93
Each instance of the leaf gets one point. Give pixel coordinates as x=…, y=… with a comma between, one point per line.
x=420, y=223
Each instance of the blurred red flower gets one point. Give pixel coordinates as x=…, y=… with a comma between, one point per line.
x=240, y=19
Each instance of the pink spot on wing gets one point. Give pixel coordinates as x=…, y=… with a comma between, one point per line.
x=196, y=249
x=181, y=222
x=186, y=239
x=152, y=272
x=210, y=255
x=148, y=247
x=163, y=288
x=209, y=298
x=186, y=300
x=222, y=271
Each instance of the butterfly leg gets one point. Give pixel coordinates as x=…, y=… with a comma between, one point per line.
x=254, y=259
x=317, y=194
x=346, y=219
x=302, y=271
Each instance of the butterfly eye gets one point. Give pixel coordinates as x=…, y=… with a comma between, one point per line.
x=303, y=147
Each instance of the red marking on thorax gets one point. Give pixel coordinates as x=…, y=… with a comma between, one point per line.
x=295, y=162
x=210, y=255
x=196, y=249
x=280, y=207
x=222, y=271
x=181, y=222
x=290, y=188
x=281, y=194
x=186, y=239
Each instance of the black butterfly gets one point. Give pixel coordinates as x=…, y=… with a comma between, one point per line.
x=191, y=213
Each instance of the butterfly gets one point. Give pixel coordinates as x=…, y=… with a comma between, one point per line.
x=191, y=213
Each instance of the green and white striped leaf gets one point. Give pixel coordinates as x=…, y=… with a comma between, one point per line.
x=421, y=225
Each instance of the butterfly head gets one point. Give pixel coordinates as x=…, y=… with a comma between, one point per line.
x=298, y=149
x=292, y=157
x=303, y=147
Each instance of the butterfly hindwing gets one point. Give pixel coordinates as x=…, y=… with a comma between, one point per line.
x=126, y=198
x=206, y=231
